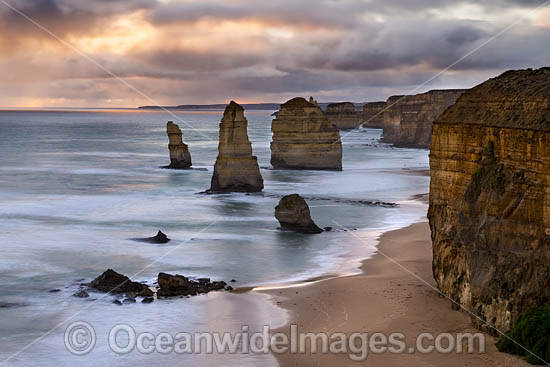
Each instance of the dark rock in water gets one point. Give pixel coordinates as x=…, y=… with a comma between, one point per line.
x=11, y=305
x=81, y=294
x=147, y=300
x=159, y=238
x=117, y=302
x=232, y=280
x=229, y=288
x=54, y=290
x=179, y=285
x=179, y=152
x=131, y=295
x=128, y=300
x=328, y=229
x=293, y=214
x=146, y=292
x=113, y=282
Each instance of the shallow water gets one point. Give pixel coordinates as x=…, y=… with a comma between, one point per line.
x=76, y=186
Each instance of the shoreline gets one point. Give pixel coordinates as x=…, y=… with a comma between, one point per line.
x=382, y=298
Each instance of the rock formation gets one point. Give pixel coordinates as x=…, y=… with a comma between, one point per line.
x=159, y=238
x=490, y=197
x=293, y=214
x=113, y=282
x=408, y=120
x=373, y=114
x=178, y=285
x=342, y=115
x=236, y=169
x=303, y=138
x=179, y=154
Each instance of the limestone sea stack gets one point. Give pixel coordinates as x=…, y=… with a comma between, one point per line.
x=490, y=198
x=373, y=114
x=236, y=169
x=408, y=120
x=293, y=214
x=303, y=138
x=342, y=115
x=179, y=153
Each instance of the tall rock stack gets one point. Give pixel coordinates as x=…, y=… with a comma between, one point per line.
x=303, y=138
x=236, y=169
x=408, y=120
x=342, y=115
x=373, y=114
x=180, y=158
x=490, y=197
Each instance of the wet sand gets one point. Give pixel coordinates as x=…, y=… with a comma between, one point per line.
x=385, y=298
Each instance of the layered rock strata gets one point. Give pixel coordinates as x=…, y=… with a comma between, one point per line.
x=180, y=158
x=342, y=115
x=373, y=114
x=303, y=138
x=236, y=169
x=408, y=120
x=490, y=198
x=293, y=214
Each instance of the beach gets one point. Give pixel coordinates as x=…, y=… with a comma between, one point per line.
x=385, y=298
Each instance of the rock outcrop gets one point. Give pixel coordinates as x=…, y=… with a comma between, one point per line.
x=373, y=114
x=408, y=120
x=342, y=115
x=159, y=238
x=293, y=214
x=236, y=169
x=112, y=282
x=490, y=198
x=303, y=138
x=179, y=285
x=180, y=158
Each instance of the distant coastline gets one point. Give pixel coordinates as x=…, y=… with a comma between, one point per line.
x=250, y=106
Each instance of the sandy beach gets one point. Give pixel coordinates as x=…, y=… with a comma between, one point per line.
x=386, y=299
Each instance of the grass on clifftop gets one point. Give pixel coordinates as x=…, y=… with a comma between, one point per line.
x=532, y=331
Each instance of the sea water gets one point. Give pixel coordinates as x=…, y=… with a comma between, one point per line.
x=77, y=186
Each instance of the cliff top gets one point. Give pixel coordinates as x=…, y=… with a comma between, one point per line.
x=297, y=102
x=515, y=99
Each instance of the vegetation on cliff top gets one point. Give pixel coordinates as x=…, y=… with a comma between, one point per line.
x=532, y=332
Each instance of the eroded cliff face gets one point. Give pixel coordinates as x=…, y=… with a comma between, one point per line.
x=236, y=169
x=408, y=120
x=490, y=198
x=342, y=115
x=373, y=114
x=303, y=138
x=180, y=158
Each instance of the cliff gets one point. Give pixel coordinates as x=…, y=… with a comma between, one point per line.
x=373, y=114
x=236, y=169
x=180, y=158
x=342, y=115
x=490, y=198
x=408, y=120
x=303, y=138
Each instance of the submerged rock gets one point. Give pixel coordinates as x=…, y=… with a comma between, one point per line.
x=303, y=138
x=147, y=300
x=81, y=294
x=180, y=158
x=112, y=282
x=179, y=285
x=159, y=238
x=236, y=169
x=293, y=214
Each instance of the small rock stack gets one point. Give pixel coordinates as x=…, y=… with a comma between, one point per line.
x=179, y=153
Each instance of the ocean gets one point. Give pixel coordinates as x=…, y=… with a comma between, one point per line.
x=76, y=186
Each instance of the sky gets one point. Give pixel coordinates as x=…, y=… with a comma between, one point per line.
x=127, y=53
